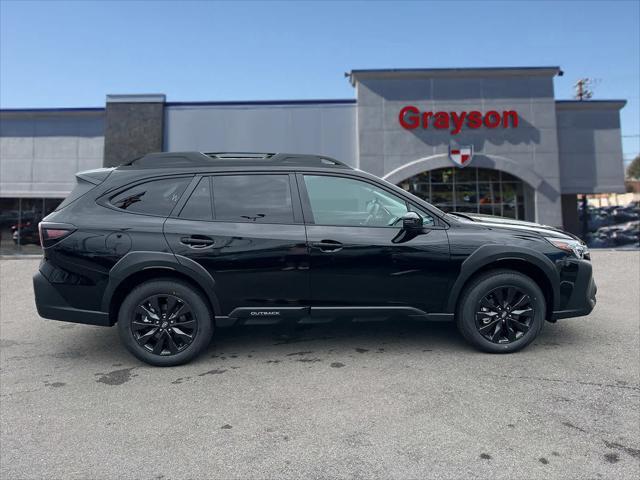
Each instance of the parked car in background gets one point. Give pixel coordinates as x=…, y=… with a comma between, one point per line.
x=25, y=233
x=611, y=226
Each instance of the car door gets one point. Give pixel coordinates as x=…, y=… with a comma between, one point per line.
x=359, y=257
x=246, y=230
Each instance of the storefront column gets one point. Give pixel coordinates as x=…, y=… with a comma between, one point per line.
x=548, y=205
x=134, y=126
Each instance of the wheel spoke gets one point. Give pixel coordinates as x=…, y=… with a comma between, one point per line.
x=511, y=293
x=524, y=311
x=519, y=325
x=172, y=304
x=144, y=339
x=511, y=334
x=522, y=301
x=188, y=324
x=185, y=337
x=489, y=326
x=180, y=311
x=159, y=346
x=137, y=325
x=496, y=332
x=173, y=348
x=144, y=311
x=155, y=303
x=488, y=302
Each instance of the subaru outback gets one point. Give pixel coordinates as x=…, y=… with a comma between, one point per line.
x=171, y=246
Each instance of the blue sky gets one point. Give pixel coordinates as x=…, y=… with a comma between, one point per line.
x=63, y=54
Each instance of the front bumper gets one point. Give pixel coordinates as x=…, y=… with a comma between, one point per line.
x=52, y=305
x=578, y=291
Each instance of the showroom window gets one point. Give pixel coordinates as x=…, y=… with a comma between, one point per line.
x=19, y=218
x=472, y=190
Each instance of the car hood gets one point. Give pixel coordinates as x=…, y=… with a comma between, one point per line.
x=511, y=224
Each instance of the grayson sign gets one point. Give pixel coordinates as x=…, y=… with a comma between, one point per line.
x=411, y=117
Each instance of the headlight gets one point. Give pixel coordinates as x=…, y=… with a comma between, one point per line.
x=577, y=247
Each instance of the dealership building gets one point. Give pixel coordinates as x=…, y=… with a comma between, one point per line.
x=485, y=140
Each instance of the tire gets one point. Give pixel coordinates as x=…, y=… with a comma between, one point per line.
x=183, y=329
x=482, y=311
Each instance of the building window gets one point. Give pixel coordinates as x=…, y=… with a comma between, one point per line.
x=472, y=190
x=19, y=218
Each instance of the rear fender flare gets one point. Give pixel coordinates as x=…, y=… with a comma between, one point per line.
x=488, y=254
x=134, y=262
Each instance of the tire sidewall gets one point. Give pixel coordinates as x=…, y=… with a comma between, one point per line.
x=199, y=309
x=481, y=287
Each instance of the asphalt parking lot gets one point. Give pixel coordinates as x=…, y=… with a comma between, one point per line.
x=366, y=400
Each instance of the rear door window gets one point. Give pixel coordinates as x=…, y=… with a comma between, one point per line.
x=156, y=197
x=253, y=198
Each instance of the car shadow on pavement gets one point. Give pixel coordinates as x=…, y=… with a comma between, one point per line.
x=397, y=332
x=399, y=335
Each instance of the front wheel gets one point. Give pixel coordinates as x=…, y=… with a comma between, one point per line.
x=501, y=311
x=165, y=322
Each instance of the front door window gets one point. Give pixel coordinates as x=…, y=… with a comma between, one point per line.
x=341, y=201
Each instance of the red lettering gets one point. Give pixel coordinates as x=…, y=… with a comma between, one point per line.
x=410, y=117
x=425, y=119
x=458, y=121
x=510, y=114
x=474, y=119
x=412, y=121
x=442, y=120
x=492, y=119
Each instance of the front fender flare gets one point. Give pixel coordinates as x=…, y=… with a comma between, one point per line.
x=491, y=253
x=134, y=262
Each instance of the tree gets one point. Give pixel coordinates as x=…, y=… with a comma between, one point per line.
x=633, y=170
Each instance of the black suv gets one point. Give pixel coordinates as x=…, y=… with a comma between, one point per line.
x=172, y=245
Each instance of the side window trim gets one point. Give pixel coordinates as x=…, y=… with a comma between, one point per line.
x=308, y=212
x=191, y=189
x=213, y=204
x=177, y=209
x=296, y=199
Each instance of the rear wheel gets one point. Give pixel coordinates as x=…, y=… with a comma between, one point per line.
x=501, y=311
x=165, y=322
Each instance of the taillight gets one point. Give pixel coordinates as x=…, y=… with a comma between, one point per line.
x=52, y=233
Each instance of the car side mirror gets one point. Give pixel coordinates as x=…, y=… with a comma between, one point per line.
x=411, y=221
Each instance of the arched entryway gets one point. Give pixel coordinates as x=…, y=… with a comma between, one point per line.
x=473, y=190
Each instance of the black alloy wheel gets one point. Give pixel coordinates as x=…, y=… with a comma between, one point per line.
x=504, y=315
x=164, y=324
x=501, y=311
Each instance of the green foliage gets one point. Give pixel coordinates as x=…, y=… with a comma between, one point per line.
x=633, y=170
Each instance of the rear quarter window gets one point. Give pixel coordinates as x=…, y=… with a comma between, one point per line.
x=155, y=197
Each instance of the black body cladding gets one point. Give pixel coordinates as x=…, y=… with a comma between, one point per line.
x=265, y=238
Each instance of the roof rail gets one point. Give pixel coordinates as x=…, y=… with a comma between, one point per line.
x=215, y=159
x=239, y=155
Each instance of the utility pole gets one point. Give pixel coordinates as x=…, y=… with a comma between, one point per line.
x=582, y=89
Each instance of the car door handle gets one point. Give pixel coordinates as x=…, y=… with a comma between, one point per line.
x=197, y=241
x=327, y=245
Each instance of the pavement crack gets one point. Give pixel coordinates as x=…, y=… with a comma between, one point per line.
x=634, y=452
x=570, y=382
